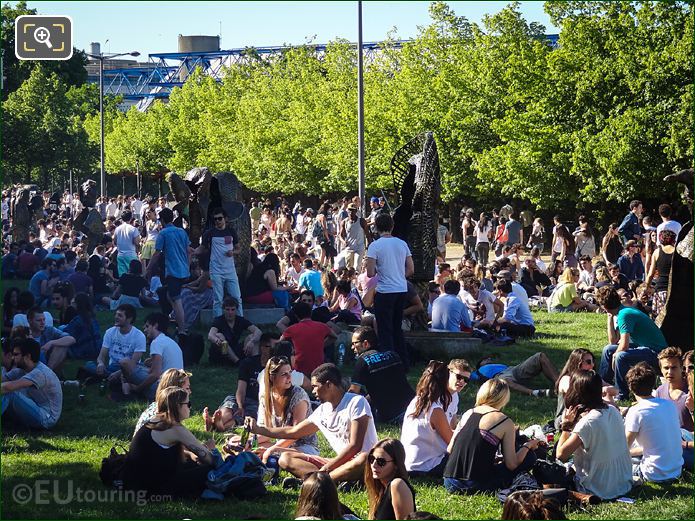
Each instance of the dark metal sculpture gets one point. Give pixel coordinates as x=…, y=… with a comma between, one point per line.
x=21, y=215
x=89, y=220
x=416, y=178
x=198, y=193
x=676, y=318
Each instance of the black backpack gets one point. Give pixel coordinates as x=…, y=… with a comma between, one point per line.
x=192, y=347
x=111, y=472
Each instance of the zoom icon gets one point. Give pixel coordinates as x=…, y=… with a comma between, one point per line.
x=39, y=37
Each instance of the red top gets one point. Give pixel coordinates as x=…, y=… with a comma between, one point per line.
x=308, y=337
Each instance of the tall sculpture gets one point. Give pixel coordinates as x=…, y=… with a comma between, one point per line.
x=416, y=178
x=21, y=215
x=676, y=318
x=198, y=192
x=89, y=220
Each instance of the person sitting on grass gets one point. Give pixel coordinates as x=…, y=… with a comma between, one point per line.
x=121, y=342
x=131, y=287
x=430, y=418
x=309, y=339
x=61, y=298
x=318, y=313
x=485, y=306
x=170, y=378
x=471, y=466
x=345, y=419
x=593, y=433
x=244, y=402
x=165, y=354
x=54, y=343
x=652, y=429
x=228, y=328
x=531, y=504
x=517, y=319
x=84, y=328
x=564, y=297
x=579, y=359
x=675, y=388
x=633, y=337
x=31, y=392
x=318, y=499
x=519, y=376
x=449, y=313
x=156, y=461
x=283, y=405
x=389, y=494
x=347, y=307
x=281, y=348
x=381, y=376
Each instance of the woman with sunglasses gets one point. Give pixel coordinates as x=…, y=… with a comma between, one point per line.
x=579, y=359
x=157, y=461
x=471, y=466
x=431, y=417
x=389, y=493
x=283, y=404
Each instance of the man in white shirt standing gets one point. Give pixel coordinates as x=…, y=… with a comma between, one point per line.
x=666, y=222
x=390, y=257
x=165, y=354
x=127, y=238
x=654, y=425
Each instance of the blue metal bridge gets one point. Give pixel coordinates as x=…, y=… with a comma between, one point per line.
x=142, y=85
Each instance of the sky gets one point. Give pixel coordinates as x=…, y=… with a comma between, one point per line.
x=153, y=27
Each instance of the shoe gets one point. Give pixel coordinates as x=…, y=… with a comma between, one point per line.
x=209, y=494
x=291, y=483
x=350, y=486
x=542, y=393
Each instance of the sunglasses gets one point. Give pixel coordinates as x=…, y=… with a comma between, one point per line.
x=463, y=377
x=380, y=462
x=280, y=360
x=689, y=368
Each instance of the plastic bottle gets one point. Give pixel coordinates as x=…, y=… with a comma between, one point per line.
x=341, y=354
x=254, y=442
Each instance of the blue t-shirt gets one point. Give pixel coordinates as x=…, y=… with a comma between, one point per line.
x=449, y=313
x=35, y=284
x=311, y=279
x=642, y=329
x=173, y=242
x=513, y=228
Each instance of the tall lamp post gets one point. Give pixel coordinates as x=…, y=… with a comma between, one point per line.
x=101, y=57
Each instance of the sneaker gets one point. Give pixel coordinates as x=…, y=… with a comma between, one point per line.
x=542, y=393
x=350, y=486
x=209, y=494
x=291, y=483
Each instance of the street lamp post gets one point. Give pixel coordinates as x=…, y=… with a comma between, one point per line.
x=101, y=57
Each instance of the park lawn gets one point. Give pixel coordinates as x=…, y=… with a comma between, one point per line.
x=70, y=455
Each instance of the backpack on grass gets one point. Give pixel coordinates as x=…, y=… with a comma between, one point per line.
x=111, y=472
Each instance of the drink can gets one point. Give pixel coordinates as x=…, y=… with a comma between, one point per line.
x=224, y=347
x=550, y=437
x=81, y=398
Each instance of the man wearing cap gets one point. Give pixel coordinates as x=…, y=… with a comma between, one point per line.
x=630, y=263
x=376, y=211
x=354, y=231
x=517, y=289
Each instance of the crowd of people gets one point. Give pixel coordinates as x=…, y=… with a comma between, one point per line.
x=341, y=270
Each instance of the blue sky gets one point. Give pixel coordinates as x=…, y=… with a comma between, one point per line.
x=151, y=27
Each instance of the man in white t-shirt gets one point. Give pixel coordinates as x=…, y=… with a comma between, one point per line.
x=165, y=354
x=652, y=429
x=122, y=342
x=339, y=415
x=666, y=222
x=485, y=306
x=390, y=258
x=127, y=238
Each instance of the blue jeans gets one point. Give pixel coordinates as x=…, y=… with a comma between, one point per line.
x=623, y=362
x=388, y=310
x=26, y=411
x=222, y=284
x=91, y=368
x=138, y=376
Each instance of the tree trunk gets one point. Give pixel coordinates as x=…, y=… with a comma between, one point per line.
x=455, y=222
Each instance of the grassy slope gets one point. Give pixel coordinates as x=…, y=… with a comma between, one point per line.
x=72, y=453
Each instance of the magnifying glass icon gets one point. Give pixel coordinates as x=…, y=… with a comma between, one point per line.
x=43, y=35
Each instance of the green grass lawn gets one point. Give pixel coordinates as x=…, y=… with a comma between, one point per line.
x=69, y=457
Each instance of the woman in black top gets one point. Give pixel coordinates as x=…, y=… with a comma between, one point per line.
x=262, y=283
x=471, y=466
x=611, y=246
x=389, y=493
x=660, y=263
x=157, y=462
x=131, y=286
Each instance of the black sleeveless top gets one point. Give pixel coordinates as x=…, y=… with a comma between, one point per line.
x=256, y=283
x=663, y=264
x=148, y=465
x=614, y=248
x=473, y=453
x=385, y=508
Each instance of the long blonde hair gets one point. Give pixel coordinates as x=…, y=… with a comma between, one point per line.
x=271, y=369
